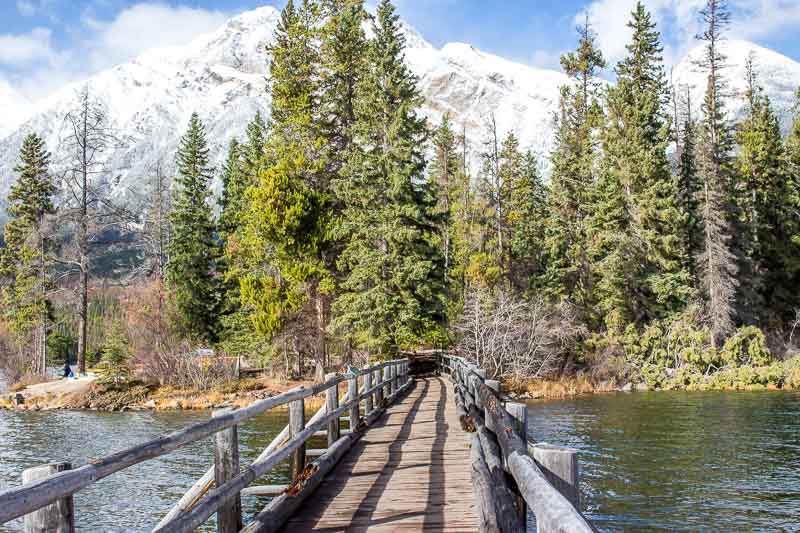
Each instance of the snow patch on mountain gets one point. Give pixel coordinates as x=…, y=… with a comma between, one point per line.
x=778, y=75
x=222, y=75
x=14, y=108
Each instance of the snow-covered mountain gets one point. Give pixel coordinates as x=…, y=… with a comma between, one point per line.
x=777, y=74
x=14, y=108
x=221, y=76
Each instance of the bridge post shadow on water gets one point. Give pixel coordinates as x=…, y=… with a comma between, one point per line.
x=431, y=445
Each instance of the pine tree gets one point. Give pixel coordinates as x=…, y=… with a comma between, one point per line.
x=193, y=251
x=635, y=142
x=574, y=161
x=234, y=185
x=525, y=216
x=763, y=196
x=253, y=150
x=342, y=55
x=444, y=169
x=25, y=258
x=392, y=291
x=115, y=353
x=286, y=235
x=689, y=189
x=717, y=263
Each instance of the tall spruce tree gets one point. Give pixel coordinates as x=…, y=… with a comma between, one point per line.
x=689, y=189
x=763, y=196
x=234, y=186
x=525, y=215
x=287, y=228
x=635, y=142
x=392, y=291
x=718, y=263
x=252, y=151
x=574, y=161
x=193, y=251
x=444, y=171
x=24, y=260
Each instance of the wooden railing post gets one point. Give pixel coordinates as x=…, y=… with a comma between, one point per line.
x=226, y=467
x=58, y=517
x=367, y=386
x=379, y=391
x=387, y=387
x=352, y=391
x=495, y=386
x=332, y=404
x=297, y=422
x=519, y=412
x=560, y=465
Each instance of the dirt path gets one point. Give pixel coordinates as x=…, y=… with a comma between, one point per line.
x=59, y=387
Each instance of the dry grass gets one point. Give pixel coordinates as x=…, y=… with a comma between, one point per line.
x=565, y=387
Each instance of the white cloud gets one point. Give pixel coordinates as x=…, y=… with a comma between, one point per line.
x=26, y=48
x=36, y=67
x=146, y=25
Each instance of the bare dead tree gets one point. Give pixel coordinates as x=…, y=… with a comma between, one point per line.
x=718, y=262
x=515, y=338
x=86, y=209
x=156, y=230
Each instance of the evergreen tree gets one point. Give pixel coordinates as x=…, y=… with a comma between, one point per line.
x=234, y=185
x=444, y=171
x=24, y=260
x=252, y=152
x=393, y=280
x=193, y=251
x=689, y=189
x=342, y=56
x=635, y=142
x=115, y=352
x=717, y=263
x=287, y=229
x=525, y=216
x=574, y=161
x=763, y=196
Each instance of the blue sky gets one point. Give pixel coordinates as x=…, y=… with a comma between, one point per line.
x=46, y=43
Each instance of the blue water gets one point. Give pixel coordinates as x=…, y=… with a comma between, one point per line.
x=673, y=461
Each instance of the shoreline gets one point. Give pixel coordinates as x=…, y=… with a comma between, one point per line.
x=141, y=397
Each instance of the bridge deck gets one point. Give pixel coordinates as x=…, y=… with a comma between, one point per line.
x=409, y=472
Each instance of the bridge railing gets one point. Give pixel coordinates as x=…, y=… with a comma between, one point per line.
x=45, y=498
x=500, y=445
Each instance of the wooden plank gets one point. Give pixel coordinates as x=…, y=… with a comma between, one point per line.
x=409, y=472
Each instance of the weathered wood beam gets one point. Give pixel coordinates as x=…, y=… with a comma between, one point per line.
x=226, y=467
x=58, y=517
x=554, y=513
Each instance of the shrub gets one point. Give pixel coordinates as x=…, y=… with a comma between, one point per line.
x=746, y=347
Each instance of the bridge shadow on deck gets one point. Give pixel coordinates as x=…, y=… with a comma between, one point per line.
x=394, y=477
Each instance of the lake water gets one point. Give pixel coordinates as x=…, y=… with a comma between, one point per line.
x=137, y=498
x=650, y=461
x=672, y=461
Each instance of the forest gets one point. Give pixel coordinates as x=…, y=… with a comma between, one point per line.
x=658, y=244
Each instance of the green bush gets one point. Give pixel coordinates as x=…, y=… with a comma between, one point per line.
x=746, y=347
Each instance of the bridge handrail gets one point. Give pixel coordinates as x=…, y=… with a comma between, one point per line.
x=552, y=509
x=30, y=497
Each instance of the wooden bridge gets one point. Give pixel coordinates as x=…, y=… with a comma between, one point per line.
x=435, y=452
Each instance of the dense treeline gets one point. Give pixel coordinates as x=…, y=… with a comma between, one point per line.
x=663, y=247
